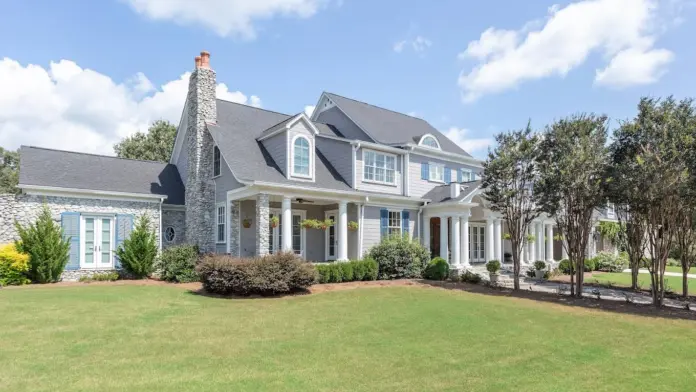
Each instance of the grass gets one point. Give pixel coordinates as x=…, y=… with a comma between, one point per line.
x=624, y=279
x=162, y=338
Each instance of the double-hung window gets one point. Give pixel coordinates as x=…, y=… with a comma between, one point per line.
x=216, y=161
x=379, y=167
x=394, y=223
x=437, y=172
x=221, y=224
x=300, y=157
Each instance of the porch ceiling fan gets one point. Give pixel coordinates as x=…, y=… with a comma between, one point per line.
x=303, y=201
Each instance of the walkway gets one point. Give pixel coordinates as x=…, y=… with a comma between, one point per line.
x=667, y=273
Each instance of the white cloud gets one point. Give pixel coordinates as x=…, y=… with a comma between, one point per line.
x=474, y=146
x=225, y=17
x=67, y=107
x=309, y=110
x=418, y=44
x=620, y=30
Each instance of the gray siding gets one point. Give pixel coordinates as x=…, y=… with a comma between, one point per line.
x=395, y=189
x=418, y=186
x=371, y=226
x=340, y=155
x=348, y=128
x=277, y=146
x=225, y=182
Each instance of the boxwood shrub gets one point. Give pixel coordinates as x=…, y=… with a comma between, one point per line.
x=399, y=257
x=352, y=271
x=280, y=273
x=437, y=269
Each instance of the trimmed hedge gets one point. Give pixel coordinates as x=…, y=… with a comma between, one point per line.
x=399, y=257
x=280, y=273
x=437, y=269
x=352, y=271
x=13, y=266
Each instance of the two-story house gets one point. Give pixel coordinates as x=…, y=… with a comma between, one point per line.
x=235, y=168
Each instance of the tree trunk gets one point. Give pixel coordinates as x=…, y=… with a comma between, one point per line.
x=634, y=275
x=580, y=279
x=515, y=265
x=685, y=284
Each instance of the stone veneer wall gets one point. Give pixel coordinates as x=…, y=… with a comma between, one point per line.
x=235, y=228
x=177, y=220
x=26, y=208
x=262, y=220
x=200, y=186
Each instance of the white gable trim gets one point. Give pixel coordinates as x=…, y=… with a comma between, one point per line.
x=89, y=193
x=457, y=158
x=314, y=115
x=420, y=142
x=300, y=117
x=180, y=135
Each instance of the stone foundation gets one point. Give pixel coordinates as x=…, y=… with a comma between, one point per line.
x=74, y=276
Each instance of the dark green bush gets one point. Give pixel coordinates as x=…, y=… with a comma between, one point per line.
x=356, y=270
x=137, y=253
x=470, y=277
x=437, y=269
x=178, y=264
x=540, y=265
x=608, y=262
x=493, y=266
x=279, y=273
x=564, y=266
x=590, y=265
x=399, y=257
x=48, y=251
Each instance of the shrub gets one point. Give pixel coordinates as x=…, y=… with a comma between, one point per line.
x=104, y=277
x=673, y=262
x=352, y=271
x=137, y=253
x=13, y=266
x=471, y=277
x=279, y=273
x=539, y=265
x=590, y=265
x=399, y=257
x=564, y=267
x=493, y=266
x=608, y=262
x=178, y=264
x=437, y=269
x=47, y=249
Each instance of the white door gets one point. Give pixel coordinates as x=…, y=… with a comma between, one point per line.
x=477, y=241
x=331, y=237
x=275, y=235
x=97, y=242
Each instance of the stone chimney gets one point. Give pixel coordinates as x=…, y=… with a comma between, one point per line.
x=455, y=189
x=200, y=187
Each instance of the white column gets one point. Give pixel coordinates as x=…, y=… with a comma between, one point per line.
x=531, y=245
x=539, y=242
x=456, y=248
x=426, y=232
x=342, y=231
x=286, y=224
x=444, y=252
x=464, y=253
x=498, y=239
x=490, y=244
x=549, y=242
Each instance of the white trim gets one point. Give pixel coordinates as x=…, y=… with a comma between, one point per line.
x=97, y=235
x=375, y=181
x=288, y=125
x=228, y=232
x=179, y=141
x=160, y=226
x=291, y=158
x=361, y=236
x=88, y=193
x=427, y=135
x=406, y=175
x=454, y=158
x=401, y=220
x=378, y=147
x=354, y=161
x=326, y=235
x=318, y=108
x=217, y=223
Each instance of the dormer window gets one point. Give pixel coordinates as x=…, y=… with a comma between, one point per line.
x=301, y=162
x=429, y=141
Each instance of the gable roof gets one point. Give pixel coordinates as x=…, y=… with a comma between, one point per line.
x=76, y=170
x=238, y=126
x=442, y=193
x=390, y=127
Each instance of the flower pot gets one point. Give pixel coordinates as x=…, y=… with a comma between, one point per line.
x=494, y=277
x=539, y=274
x=246, y=223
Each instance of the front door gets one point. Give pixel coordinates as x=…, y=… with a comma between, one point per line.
x=97, y=242
x=331, y=238
x=477, y=243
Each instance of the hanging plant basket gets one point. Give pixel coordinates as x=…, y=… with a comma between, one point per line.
x=275, y=221
x=353, y=226
x=309, y=223
x=246, y=223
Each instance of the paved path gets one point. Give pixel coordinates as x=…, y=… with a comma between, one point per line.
x=667, y=273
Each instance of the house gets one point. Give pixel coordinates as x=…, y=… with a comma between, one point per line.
x=234, y=168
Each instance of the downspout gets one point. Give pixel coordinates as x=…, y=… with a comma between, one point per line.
x=420, y=213
x=160, y=223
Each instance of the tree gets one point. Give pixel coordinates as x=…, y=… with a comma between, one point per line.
x=649, y=164
x=632, y=233
x=685, y=240
x=155, y=145
x=507, y=181
x=572, y=162
x=137, y=253
x=9, y=171
x=48, y=251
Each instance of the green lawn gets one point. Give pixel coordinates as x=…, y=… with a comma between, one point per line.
x=624, y=279
x=162, y=338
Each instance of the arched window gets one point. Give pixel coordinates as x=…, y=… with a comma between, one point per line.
x=430, y=141
x=300, y=154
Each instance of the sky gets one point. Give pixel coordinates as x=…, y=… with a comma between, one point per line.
x=81, y=75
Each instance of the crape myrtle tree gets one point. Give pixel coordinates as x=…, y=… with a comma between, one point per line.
x=632, y=233
x=507, y=181
x=572, y=161
x=685, y=238
x=649, y=158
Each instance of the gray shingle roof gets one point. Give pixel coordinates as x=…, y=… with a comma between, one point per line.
x=65, y=169
x=389, y=127
x=235, y=133
x=441, y=193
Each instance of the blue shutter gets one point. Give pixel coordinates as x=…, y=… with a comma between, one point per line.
x=124, y=226
x=459, y=176
x=405, y=222
x=70, y=222
x=383, y=222
x=448, y=175
x=425, y=171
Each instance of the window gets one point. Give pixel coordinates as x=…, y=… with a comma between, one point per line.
x=216, y=161
x=394, y=224
x=437, y=172
x=467, y=175
x=430, y=141
x=221, y=224
x=300, y=157
x=379, y=167
x=611, y=213
x=169, y=234
x=275, y=234
x=477, y=243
